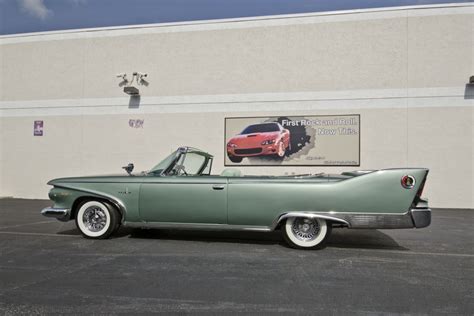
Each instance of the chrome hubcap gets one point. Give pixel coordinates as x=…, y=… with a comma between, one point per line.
x=94, y=219
x=305, y=229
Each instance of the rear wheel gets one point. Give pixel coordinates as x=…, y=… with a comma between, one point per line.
x=306, y=233
x=97, y=219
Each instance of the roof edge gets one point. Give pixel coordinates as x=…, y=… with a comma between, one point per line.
x=241, y=19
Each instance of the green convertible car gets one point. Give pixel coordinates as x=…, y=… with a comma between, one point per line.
x=180, y=192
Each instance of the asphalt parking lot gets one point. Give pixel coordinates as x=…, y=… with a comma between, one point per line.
x=46, y=267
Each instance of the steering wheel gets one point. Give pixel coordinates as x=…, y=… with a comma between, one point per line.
x=180, y=168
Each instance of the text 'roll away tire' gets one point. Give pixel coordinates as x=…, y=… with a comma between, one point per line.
x=306, y=233
x=97, y=219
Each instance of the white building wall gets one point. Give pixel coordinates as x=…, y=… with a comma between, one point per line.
x=404, y=70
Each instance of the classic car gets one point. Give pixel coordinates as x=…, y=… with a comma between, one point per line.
x=259, y=140
x=180, y=192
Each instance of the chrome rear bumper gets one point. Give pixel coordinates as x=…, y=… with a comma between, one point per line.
x=421, y=217
x=62, y=214
x=415, y=218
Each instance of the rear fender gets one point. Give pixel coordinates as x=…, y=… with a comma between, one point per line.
x=284, y=216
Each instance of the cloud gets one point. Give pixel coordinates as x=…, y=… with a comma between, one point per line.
x=35, y=8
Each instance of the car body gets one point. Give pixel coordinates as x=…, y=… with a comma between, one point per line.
x=180, y=192
x=259, y=140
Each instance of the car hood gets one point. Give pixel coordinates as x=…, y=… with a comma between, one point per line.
x=255, y=136
x=97, y=178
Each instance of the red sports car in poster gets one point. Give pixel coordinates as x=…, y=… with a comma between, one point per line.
x=259, y=140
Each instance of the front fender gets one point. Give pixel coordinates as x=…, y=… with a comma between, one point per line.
x=65, y=196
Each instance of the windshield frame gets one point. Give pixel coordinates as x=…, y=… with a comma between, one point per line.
x=168, y=168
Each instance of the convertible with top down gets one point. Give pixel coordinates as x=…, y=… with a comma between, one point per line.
x=180, y=192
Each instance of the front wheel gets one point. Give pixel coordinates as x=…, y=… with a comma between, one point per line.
x=306, y=233
x=97, y=219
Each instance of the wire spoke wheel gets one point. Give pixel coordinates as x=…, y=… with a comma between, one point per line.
x=97, y=219
x=305, y=229
x=306, y=232
x=94, y=219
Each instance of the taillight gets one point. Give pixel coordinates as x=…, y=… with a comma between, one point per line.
x=408, y=182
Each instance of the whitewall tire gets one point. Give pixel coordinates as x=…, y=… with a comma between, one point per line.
x=306, y=233
x=97, y=219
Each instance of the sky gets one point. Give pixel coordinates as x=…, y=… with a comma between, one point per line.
x=24, y=16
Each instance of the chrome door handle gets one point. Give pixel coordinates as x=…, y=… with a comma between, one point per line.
x=218, y=187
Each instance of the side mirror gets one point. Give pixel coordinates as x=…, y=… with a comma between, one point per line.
x=129, y=168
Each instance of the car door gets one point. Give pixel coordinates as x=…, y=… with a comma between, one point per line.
x=184, y=199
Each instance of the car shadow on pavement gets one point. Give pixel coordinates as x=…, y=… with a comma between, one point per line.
x=209, y=236
x=72, y=232
x=362, y=238
x=340, y=238
x=122, y=232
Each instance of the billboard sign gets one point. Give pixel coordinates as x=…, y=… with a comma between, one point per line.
x=319, y=140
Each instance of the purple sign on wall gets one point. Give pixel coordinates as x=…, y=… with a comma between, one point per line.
x=38, y=128
x=136, y=123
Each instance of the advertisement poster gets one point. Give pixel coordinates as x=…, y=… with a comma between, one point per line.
x=38, y=128
x=321, y=140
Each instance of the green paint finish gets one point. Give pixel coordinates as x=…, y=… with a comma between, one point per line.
x=184, y=200
x=173, y=197
x=260, y=202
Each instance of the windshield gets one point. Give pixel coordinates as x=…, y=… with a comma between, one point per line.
x=163, y=164
x=261, y=128
x=190, y=164
x=185, y=161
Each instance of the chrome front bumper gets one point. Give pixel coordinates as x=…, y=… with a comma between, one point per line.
x=62, y=214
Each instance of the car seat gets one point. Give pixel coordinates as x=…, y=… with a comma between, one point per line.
x=231, y=173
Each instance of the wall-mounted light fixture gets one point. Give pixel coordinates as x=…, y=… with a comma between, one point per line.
x=138, y=77
x=131, y=91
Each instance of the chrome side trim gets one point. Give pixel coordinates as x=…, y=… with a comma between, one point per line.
x=415, y=218
x=378, y=221
x=200, y=226
x=308, y=215
x=62, y=214
x=357, y=220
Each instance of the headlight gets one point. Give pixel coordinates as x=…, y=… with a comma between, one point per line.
x=231, y=145
x=268, y=142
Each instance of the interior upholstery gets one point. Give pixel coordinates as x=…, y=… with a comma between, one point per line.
x=231, y=173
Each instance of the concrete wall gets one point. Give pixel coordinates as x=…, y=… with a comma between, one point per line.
x=404, y=70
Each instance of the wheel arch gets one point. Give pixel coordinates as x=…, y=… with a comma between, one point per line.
x=80, y=200
x=85, y=195
x=282, y=217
